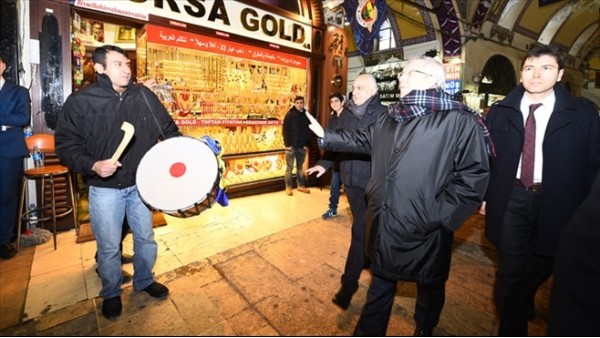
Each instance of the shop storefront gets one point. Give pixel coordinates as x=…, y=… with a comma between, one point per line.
x=226, y=69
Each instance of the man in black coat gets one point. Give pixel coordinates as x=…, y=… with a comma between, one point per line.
x=575, y=297
x=15, y=109
x=296, y=138
x=355, y=170
x=534, y=192
x=429, y=171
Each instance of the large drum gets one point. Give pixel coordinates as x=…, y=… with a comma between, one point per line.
x=179, y=176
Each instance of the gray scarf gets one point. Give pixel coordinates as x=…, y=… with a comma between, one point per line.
x=357, y=110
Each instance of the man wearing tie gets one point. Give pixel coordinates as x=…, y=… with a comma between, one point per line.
x=548, y=153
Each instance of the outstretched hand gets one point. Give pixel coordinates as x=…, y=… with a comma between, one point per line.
x=316, y=169
x=315, y=126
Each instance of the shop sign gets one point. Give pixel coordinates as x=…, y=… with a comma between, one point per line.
x=226, y=123
x=181, y=39
x=453, y=71
x=222, y=15
x=452, y=86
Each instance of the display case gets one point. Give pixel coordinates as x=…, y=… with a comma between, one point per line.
x=235, y=93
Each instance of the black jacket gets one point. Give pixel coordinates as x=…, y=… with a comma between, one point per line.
x=571, y=152
x=296, y=133
x=355, y=169
x=89, y=129
x=428, y=175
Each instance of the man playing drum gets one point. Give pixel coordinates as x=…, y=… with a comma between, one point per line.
x=87, y=134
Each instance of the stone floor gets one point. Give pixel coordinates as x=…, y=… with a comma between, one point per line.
x=277, y=284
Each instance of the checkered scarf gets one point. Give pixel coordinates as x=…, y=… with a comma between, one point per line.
x=419, y=103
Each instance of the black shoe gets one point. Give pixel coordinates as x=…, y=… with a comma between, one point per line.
x=342, y=298
x=127, y=277
x=111, y=307
x=126, y=259
x=423, y=332
x=8, y=251
x=157, y=290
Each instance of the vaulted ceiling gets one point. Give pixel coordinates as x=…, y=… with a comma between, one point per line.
x=572, y=25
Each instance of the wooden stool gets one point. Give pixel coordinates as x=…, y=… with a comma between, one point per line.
x=45, y=142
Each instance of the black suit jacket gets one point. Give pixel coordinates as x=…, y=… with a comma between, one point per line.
x=15, y=110
x=571, y=152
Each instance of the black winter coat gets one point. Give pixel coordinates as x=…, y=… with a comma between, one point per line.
x=296, y=133
x=355, y=169
x=571, y=152
x=89, y=130
x=428, y=175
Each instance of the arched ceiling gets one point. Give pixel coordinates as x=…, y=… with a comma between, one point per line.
x=572, y=25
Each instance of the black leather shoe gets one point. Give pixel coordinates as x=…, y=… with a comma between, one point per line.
x=126, y=259
x=127, y=277
x=157, y=290
x=8, y=251
x=111, y=307
x=342, y=298
x=423, y=332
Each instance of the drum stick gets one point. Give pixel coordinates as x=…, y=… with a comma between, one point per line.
x=129, y=130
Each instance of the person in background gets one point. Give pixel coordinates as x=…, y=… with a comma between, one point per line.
x=87, y=134
x=548, y=153
x=296, y=138
x=429, y=171
x=355, y=172
x=336, y=101
x=15, y=111
x=575, y=295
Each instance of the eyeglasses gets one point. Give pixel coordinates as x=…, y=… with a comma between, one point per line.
x=412, y=71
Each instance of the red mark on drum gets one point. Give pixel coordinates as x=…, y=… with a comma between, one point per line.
x=177, y=169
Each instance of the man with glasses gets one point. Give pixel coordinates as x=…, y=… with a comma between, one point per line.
x=429, y=171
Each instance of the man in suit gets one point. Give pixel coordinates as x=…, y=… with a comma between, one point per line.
x=575, y=301
x=15, y=109
x=547, y=158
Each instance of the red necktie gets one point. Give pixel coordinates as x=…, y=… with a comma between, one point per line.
x=528, y=158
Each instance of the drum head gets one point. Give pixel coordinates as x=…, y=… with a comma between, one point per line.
x=176, y=174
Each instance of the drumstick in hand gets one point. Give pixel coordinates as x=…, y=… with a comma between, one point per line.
x=129, y=130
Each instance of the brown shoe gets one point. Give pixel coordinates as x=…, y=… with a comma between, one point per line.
x=304, y=190
x=288, y=191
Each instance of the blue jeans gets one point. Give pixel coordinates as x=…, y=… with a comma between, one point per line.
x=334, y=193
x=296, y=155
x=108, y=208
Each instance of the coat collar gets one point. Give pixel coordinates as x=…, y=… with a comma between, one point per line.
x=561, y=114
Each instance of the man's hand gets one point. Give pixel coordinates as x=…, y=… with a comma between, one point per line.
x=316, y=169
x=481, y=210
x=149, y=83
x=315, y=126
x=105, y=168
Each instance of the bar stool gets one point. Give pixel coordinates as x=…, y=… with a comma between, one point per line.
x=45, y=142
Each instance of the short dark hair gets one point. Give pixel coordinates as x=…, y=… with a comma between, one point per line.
x=537, y=51
x=336, y=94
x=299, y=98
x=99, y=54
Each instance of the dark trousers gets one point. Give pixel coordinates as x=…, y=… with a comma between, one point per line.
x=355, y=262
x=11, y=173
x=520, y=271
x=375, y=314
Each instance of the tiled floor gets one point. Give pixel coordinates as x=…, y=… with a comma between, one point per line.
x=266, y=265
x=67, y=275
